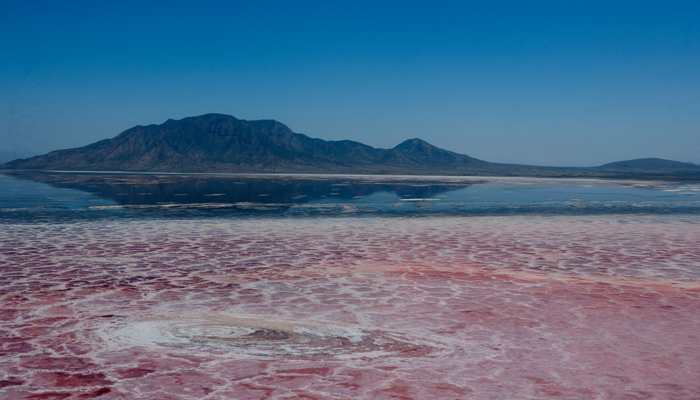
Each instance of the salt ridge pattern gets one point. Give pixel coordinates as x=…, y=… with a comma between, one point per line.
x=572, y=307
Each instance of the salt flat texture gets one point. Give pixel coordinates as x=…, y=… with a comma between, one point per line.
x=567, y=307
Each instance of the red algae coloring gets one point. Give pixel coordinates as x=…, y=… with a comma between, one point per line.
x=517, y=307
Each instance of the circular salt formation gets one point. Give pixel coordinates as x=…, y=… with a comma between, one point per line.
x=210, y=333
x=261, y=338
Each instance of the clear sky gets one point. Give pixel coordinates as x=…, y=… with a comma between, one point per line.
x=576, y=83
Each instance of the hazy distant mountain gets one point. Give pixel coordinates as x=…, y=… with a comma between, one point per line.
x=222, y=143
x=651, y=163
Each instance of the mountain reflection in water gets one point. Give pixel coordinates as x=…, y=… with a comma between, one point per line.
x=188, y=189
x=45, y=196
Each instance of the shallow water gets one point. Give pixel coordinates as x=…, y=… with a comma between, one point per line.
x=61, y=197
x=278, y=304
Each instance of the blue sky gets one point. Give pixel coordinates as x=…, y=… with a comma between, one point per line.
x=547, y=83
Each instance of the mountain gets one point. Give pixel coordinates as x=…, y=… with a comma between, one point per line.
x=650, y=164
x=222, y=143
x=216, y=143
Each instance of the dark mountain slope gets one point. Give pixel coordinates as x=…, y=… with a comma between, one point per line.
x=211, y=142
x=343, y=150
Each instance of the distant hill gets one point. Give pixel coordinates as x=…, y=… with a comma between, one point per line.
x=650, y=164
x=218, y=143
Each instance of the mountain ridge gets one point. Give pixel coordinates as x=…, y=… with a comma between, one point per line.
x=218, y=143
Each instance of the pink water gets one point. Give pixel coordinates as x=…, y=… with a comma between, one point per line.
x=427, y=308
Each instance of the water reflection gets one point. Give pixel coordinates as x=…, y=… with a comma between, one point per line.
x=44, y=196
x=188, y=189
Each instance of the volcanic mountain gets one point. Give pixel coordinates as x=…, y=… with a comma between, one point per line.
x=215, y=143
x=222, y=143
